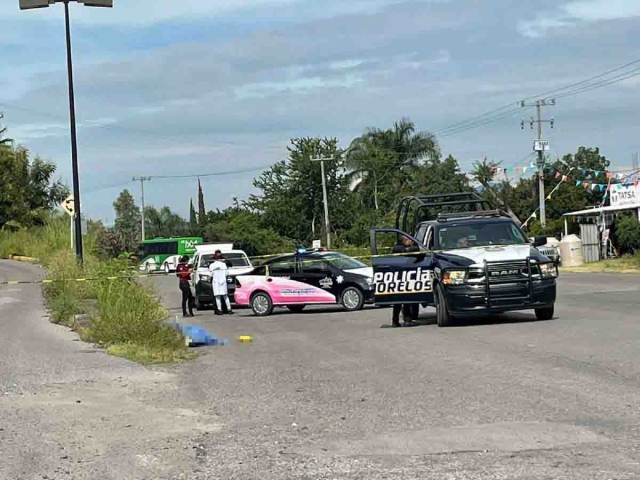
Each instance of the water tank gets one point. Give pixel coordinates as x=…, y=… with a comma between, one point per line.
x=571, y=251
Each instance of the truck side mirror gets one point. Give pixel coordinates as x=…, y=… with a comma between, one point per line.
x=539, y=241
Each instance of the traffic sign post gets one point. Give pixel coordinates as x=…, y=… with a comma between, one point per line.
x=69, y=206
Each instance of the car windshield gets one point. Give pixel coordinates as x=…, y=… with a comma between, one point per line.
x=344, y=262
x=479, y=235
x=236, y=259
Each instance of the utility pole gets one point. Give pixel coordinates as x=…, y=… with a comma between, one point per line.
x=324, y=195
x=142, y=180
x=540, y=146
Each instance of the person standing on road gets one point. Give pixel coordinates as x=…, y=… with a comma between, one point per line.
x=219, y=269
x=184, y=274
x=409, y=311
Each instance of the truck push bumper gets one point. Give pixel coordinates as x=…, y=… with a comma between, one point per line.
x=525, y=291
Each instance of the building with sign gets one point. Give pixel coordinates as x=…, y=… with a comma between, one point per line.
x=622, y=198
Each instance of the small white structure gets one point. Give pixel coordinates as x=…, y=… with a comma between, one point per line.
x=571, y=251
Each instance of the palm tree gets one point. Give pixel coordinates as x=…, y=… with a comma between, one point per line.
x=377, y=154
x=484, y=173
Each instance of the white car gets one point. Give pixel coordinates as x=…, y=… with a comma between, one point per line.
x=239, y=264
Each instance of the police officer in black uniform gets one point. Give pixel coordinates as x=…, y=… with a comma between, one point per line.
x=409, y=311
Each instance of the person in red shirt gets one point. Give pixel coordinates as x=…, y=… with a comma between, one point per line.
x=184, y=274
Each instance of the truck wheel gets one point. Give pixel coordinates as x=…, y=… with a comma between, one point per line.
x=261, y=304
x=352, y=299
x=545, y=313
x=296, y=308
x=442, y=313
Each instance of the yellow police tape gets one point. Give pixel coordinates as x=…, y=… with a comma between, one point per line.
x=134, y=276
x=77, y=280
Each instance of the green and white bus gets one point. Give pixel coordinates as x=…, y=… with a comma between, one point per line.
x=162, y=254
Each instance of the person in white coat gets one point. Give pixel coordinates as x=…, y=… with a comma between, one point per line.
x=219, y=271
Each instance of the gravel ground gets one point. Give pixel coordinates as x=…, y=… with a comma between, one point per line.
x=330, y=395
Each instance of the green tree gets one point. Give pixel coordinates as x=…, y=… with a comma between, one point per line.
x=384, y=159
x=627, y=235
x=27, y=192
x=246, y=230
x=501, y=193
x=164, y=223
x=127, y=223
x=193, y=219
x=4, y=141
x=202, y=213
x=291, y=200
x=522, y=199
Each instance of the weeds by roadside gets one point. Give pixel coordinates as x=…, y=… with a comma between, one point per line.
x=625, y=264
x=125, y=317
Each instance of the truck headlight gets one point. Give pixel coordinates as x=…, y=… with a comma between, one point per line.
x=205, y=278
x=548, y=270
x=454, y=277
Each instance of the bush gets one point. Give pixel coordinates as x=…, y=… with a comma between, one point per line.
x=627, y=235
x=128, y=314
x=125, y=316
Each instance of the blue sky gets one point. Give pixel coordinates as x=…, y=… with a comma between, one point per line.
x=197, y=86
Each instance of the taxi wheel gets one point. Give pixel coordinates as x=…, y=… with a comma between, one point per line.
x=352, y=299
x=261, y=304
x=442, y=313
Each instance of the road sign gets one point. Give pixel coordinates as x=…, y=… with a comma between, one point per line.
x=69, y=206
x=317, y=244
x=541, y=145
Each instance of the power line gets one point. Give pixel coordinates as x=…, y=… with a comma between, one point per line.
x=616, y=79
x=478, y=124
x=215, y=174
x=498, y=113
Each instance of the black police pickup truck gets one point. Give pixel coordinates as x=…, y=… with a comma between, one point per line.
x=470, y=260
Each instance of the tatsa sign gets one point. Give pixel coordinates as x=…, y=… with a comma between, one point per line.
x=626, y=196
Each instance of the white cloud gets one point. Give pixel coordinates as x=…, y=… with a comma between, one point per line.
x=578, y=11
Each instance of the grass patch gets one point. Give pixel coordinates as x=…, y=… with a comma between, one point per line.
x=125, y=316
x=625, y=264
x=147, y=355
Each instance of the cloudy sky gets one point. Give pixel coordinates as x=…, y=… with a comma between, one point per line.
x=169, y=87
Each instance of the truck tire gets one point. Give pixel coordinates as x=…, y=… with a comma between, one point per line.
x=545, y=313
x=442, y=313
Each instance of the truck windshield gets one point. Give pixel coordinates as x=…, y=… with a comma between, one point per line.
x=344, y=262
x=236, y=259
x=479, y=235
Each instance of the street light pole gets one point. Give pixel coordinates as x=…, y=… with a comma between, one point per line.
x=30, y=4
x=74, y=140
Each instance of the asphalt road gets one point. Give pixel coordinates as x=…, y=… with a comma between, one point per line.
x=330, y=395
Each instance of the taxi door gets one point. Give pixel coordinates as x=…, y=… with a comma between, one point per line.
x=401, y=278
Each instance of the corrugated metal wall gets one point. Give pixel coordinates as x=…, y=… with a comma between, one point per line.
x=590, y=243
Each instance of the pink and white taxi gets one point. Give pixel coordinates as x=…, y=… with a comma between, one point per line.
x=262, y=293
